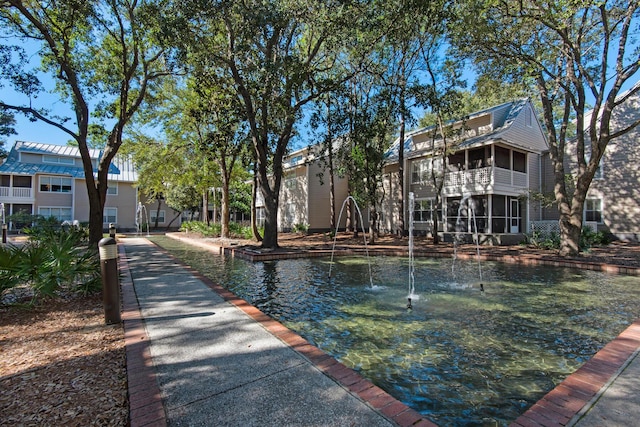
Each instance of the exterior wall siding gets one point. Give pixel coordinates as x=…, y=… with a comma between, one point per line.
x=319, y=216
x=293, y=199
x=529, y=137
x=125, y=202
x=618, y=188
x=547, y=178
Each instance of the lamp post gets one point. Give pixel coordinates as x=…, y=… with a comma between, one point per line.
x=110, y=282
x=4, y=224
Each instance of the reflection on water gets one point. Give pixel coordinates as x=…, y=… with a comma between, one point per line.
x=460, y=356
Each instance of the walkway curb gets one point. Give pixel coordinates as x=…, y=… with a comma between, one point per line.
x=145, y=399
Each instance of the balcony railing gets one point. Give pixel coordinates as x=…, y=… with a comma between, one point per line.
x=16, y=192
x=483, y=179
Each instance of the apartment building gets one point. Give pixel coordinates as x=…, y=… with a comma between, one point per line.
x=48, y=180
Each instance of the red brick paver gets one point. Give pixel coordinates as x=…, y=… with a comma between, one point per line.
x=145, y=399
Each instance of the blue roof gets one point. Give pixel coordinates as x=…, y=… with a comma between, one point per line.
x=119, y=169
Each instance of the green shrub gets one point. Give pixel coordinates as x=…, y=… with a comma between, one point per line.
x=10, y=259
x=300, y=228
x=53, y=261
x=236, y=230
x=588, y=238
x=542, y=240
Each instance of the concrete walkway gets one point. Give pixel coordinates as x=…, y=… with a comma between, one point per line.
x=617, y=403
x=215, y=365
x=198, y=355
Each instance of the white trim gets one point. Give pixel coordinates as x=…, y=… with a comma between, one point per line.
x=58, y=160
x=52, y=177
x=57, y=216
x=112, y=185
x=104, y=214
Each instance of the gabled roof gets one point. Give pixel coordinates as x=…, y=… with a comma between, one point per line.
x=121, y=169
x=503, y=117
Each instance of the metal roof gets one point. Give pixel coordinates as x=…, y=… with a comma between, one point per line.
x=121, y=168
x=514, y=109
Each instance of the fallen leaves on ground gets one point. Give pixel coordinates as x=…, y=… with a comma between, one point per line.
x=60, y=364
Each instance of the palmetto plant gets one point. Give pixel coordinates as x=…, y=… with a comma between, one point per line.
x=10, y=260
x=52, y=261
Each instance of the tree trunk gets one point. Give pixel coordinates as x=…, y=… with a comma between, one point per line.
x=254, y=194
x=205, y=207
x=401, y=221
x=177, y=215
x=224, y=208
x=570, y=229
x=97, y=194
x=270, y=239
x=373, y=225
x=95, y=218
x=332, y=203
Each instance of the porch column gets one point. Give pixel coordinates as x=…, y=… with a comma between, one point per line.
x=490, y=214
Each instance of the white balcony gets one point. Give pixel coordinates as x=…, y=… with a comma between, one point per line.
x=15, y=194
x=483, y=180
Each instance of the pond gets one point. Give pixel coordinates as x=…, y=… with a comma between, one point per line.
x=461, y=356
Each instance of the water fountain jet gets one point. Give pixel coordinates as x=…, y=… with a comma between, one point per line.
x=364, y=236
x=412, y=267
x=141, y=216
x=470, y=204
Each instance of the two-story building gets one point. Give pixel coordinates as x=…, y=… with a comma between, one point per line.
x=491, y=165
x=305, y=192
x=490, y=168
x=48, y=180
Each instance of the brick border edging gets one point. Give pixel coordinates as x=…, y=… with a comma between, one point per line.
x=145, y=399
x=576, y=394
x=372, y=395
x=431, y=252
x=563, y=405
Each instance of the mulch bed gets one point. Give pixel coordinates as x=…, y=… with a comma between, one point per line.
x=61, y=365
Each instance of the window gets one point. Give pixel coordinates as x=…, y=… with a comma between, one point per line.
x=420, y=171
x=423, y=210
x=296, y=159
x=110, y=215
x=22, y=181
x=503, y=158
x=112, y=189
x=62, y=214
x=5, y=180
x=59, y=160
x=290, y=181
x=456, y=162
x=599, y=174
x=593, y=210
x=519, y=162
x=55, y=184
x=528, y=117
x=160, y=214
x=478, y=158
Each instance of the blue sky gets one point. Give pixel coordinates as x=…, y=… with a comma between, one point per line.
x=36, y=132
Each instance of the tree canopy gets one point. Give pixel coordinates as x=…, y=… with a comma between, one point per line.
x=101, y=60
x=578, y=57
